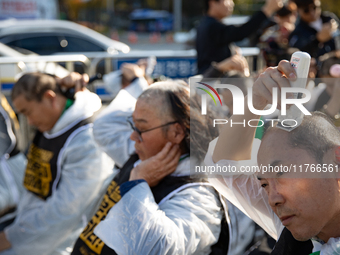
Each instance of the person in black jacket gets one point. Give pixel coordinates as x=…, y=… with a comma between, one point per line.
x=315, y=29
x=213, y=41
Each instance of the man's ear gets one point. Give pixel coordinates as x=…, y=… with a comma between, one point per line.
x=50, y=95
x=176, y=133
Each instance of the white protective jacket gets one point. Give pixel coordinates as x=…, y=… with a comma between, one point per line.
x=247, y=194
x=11, y=179
x=185, y=222
x=11, y=168
x=112, y=133
x=51, y=226
x=111, y=130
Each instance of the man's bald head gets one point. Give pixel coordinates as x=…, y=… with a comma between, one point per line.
x=316, y=134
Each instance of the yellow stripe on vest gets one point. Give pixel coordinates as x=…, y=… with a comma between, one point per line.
x=112, y=196
x=9, y=110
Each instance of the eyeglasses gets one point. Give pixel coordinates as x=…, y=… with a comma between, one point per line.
x=310, y=8
x=139, y=132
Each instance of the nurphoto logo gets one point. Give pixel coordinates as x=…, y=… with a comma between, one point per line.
x=238, y=99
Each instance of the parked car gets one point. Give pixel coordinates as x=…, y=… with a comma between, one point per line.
x=46, y=37
x=9, y=72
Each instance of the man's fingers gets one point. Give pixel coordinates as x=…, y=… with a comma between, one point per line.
x=286, y=68
x=276, y=80
x=270, y=79
x=280, y=79
x=241, y=64
x=86, y=79
x=164, y=152
x=238, y=63
x=245, y=63
x=238, y=50
x=79, y=81
x=283, y=82
x=143, y=62
x=245, y=67
x=153, y=178
x=171, y=154
x=169, y=169
x=78, y=86
x=171, y=166
x=266, y=90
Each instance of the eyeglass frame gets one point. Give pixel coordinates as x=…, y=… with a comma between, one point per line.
x=139, y=132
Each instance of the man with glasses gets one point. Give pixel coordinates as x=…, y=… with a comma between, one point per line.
x=133, y=127
x=152, y=206
x=314, y=32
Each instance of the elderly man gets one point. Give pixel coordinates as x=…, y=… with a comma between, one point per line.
x=288, y=207
x=65, y=171
x=153, y=206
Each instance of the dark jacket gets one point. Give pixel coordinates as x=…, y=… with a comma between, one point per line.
x=214, y=38
x=304, y=37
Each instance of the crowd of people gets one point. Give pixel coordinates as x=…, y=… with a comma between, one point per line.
x=119, y=180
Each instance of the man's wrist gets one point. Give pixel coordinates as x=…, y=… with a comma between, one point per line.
x=221, y=67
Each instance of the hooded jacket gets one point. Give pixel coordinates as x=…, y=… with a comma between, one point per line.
x=51, y=226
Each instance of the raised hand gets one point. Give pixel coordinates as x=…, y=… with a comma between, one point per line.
x=154, y=169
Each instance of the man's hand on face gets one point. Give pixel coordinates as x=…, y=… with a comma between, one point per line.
x=273, y=77
x=325, y=34
x=76, y=80
x=154, y=169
